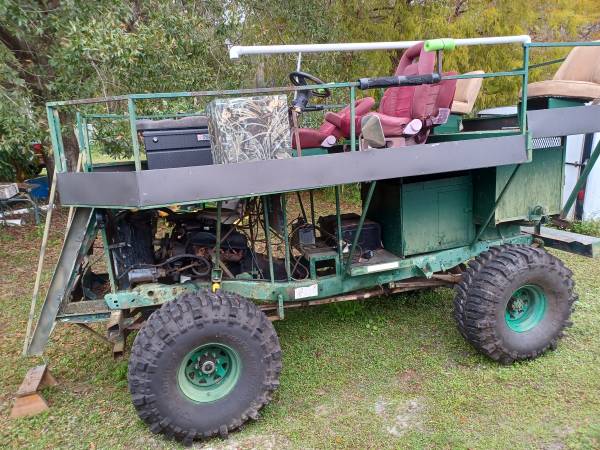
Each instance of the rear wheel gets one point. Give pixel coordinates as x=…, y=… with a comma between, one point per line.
x=203, y=365
x=514, y=302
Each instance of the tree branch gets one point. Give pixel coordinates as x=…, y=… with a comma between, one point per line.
x=25, y=56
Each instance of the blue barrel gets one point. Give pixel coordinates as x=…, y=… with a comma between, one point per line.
x=40, y=190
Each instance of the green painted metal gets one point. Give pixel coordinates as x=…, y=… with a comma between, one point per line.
x=265, y=203
x=523, y=109
x=216, y=271
x=286, y=237
x=432, y=223
x=422, y=216
x=338, y=214
x=581, y=181
x=499, y=198
x=134, y=139
x=509, y=73
x=311, y=196
x=88, y=150
x=526, y=308
x=108, y=260
x=54, y=139
x=153, y=294
x=536, y=186
x=209, y=372
x=453, y=125
x=436, y=214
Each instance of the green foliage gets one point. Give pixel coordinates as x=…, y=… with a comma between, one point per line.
x=17, y=131
x=57, y=49
x=587, y=227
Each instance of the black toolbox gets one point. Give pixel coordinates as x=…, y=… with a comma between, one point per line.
x=370, y=236
x=176, y=142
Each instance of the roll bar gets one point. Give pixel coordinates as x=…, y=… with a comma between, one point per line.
x=239, y=50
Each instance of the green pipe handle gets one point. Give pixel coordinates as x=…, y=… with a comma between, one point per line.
x=433, y=45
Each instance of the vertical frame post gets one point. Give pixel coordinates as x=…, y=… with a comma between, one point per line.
x=352, y=118
x=81, y=139
x=312, y=206
x=265, y=202
x=523, y=118
x=286, y=237
x=54, y=139
x=88, y=150
x=108, y=260
x=361, y=222
x=338, y=216
x=216, y=272
x=134, y=138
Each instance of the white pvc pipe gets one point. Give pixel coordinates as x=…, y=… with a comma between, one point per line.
x=239, y=50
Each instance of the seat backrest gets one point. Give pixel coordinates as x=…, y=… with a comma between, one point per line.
x=410, y=101
x=582, y=64
x=467, y=90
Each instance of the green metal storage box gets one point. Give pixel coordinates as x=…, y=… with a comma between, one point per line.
x=541, y=180
x=420, y=215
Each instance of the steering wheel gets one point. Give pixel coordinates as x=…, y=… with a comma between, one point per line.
x=302, y=79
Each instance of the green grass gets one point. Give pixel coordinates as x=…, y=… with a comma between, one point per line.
x=387, y=373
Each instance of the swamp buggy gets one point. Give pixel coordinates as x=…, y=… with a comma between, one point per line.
x=201, y=251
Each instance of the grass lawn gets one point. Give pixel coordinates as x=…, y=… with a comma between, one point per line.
x=388, y=373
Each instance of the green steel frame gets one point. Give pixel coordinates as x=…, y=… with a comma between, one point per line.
x=347, y=279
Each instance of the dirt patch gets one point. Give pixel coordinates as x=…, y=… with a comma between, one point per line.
x=402, y=418
x=262, y=442
x=409, y=380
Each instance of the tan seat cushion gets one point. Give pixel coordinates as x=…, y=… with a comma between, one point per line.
x=564, y=88
x=577, y=77
x=467, y=90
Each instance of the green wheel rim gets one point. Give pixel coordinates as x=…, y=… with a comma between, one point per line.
x=526, y=308
x=209, y=372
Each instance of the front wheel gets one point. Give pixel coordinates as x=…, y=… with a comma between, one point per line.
x=514, y=302
x=202, y=365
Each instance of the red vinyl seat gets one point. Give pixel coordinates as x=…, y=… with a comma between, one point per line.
x=400, y=105
x=312, y=137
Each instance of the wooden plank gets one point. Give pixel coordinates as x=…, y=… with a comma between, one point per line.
x=36, y=378
x=29, y=405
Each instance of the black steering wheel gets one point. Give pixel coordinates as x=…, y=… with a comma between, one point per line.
x=303, y=78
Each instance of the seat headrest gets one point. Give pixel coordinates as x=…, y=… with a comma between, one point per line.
x=581, y=64
x=467, y=91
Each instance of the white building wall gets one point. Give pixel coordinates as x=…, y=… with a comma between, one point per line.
x=591, y=206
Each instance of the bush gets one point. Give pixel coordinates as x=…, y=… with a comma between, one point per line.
x=17, y=132
x=587, y=227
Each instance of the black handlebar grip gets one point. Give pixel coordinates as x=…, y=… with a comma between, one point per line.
x=409, y=80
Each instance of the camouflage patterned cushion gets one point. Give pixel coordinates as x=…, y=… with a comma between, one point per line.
x=249, y=128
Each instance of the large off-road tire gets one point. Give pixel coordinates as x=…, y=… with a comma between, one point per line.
x=202, y=365
x=514, y=302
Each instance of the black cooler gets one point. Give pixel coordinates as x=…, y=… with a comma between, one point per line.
x=176, y=142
